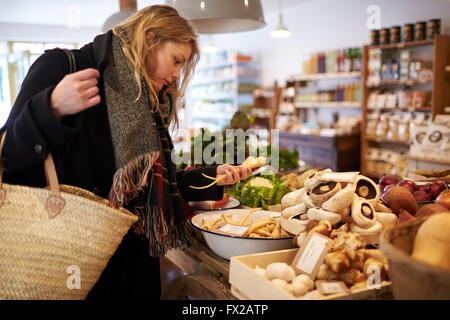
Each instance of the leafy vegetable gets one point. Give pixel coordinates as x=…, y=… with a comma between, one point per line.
x=258, y=195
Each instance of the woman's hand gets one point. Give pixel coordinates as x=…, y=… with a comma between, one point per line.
x=233, y=175
x=76, y=92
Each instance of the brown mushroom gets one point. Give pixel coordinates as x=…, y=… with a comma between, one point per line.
x=363, y=213
x=367, y=189
x=324, y=191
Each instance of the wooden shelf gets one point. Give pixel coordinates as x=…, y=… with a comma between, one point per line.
x=411, y=109
x=320, y=76
x=402, y=44
x=428, y=160
x=328, y=104
x=408, y=82
x=379, y=140
x=439, y=48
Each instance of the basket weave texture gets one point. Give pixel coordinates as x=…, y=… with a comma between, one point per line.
x=412, y=279
x=38, y=253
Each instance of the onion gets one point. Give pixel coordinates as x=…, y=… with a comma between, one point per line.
x=387, y=180
x=408, y=184
x=444, y=199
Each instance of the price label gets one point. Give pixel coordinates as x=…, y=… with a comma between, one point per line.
x=234, y=229
x=312, y=253
x=339, y=176
x=331, y=287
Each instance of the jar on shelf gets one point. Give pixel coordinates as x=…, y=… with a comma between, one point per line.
x=374, y=37
x=395, y=34
x=385, y=36
x=408, y=32
x=433, y=28
x=420, y=30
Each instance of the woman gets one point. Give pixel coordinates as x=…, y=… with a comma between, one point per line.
x=107, y=129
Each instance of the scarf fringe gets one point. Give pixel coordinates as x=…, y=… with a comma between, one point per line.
x=155, y=229
x=130, y=179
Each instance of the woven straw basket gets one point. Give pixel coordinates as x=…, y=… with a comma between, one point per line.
x=412, y=279
x=55, y=242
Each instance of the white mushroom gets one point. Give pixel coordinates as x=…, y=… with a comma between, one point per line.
x=320, y=214
x=387, y=220
x=280, y=270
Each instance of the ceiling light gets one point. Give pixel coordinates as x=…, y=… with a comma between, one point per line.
x=281, y=31
x=209, y=47
x=127, y=8
x=221, y=16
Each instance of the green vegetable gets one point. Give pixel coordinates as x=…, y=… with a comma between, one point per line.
x=254, y=197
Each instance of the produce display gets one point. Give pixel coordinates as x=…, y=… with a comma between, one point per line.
x=347, y=209
x=260, y=191
x=348, y=260
x=263, y=228
x=422, y=193
x=228, y=149
x=356, y=203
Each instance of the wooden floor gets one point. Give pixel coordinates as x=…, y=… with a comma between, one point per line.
x=169, y=272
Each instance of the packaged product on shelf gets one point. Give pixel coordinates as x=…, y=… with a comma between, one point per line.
x=381, y=100
x=404, y=127
x=401, y=166
x=434, y=145
x=404, y=98
x=415, y=68
x=419, y=99
x=392, y=133
x=382, y=127
x=372, y=124
x=405, y=57
x=371, y=158
x=418, y=129
x=391, y=100
x=372, y=99
x=425, y=75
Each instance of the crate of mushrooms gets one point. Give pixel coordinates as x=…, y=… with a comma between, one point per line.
x=337, y=218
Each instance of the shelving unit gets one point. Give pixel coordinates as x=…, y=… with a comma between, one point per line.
x=340, y=78
x=440, y=91
x=219, y=89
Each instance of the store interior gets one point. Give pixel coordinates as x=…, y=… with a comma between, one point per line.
x=356, y=86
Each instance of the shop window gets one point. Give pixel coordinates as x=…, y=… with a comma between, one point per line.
x=15, y=60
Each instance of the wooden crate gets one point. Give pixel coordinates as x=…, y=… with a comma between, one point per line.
x=248, y=285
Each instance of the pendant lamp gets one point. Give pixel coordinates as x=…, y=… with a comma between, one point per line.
x=281, y=31
x=221, y=16
x=127, y=8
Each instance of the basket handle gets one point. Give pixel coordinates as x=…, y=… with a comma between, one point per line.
x=54, y=203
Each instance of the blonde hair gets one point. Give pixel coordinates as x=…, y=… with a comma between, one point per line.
x=166, y=25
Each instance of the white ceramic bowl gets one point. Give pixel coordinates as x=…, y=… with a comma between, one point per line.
x=227, y=246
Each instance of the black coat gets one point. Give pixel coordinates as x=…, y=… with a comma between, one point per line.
x=81, y=144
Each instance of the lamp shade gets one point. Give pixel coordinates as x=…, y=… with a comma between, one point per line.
x=116, y=18
x=221, y=16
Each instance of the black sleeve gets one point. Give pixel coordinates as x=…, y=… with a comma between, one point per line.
x=194, y=177
x=32, y=129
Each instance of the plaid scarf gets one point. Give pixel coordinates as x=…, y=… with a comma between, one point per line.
x=145, y=180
